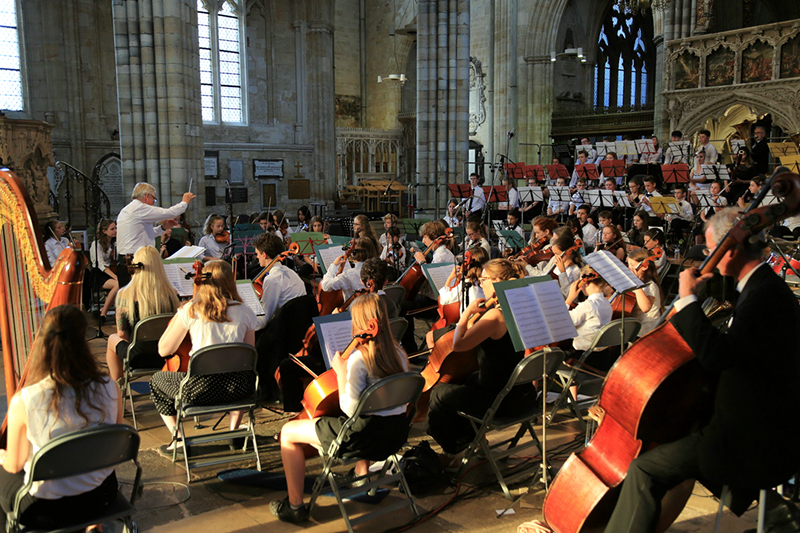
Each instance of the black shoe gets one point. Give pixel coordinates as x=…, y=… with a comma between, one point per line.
x=349, y=478
x=782, y=518
x=283, y=510
x=236, y=444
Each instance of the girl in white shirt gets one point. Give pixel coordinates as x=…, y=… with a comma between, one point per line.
x=649, y=299
x=349, y=281
x=385, y=431
x=591, y=314
x=54, y=240
x=101, y=255
x=66, y=391
x=214, y=227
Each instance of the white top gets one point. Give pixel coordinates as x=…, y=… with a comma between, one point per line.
x=652, y=158
x=349, y=281
x=576, y=200
x=357, y=382
x=478, y=199
x=54, y=248
x=43, y=426
x=452, y=295
x=685, y=214
x=483, y=243
x=451, y=221
x=513, y=199
x=213, y=248
x=98, y=257
x=565, y=279
x=649, y=319
x=135, y=224
x=396, y=258
x=280, y=285
x=555, y=205
x=588, y=317
x=589, y=236
x=205, y=333
x=711, y=153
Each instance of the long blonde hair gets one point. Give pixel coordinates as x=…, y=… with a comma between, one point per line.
x=382, y=355
x=214, y=294
x=149, y=288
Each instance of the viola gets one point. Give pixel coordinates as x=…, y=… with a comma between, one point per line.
x=258, y=282
x=330, y=300
x=655, y=393
x=413, y=278
x=179, y=361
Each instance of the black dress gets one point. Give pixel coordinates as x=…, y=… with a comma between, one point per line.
x=497, y=360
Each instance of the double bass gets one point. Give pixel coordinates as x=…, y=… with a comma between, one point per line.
x=656, y=393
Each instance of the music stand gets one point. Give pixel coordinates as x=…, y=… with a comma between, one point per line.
x=680, y=151
x=531, y=194
x=557, y=171
x=665, y=205
x=678, y=173
x=588, y=172
x=515, y=170
x=783, y=149
x=559, y=193
x=622, y=199
x=537, y=172
x=603, y=148
x=792, y=162
x=626, y=148
x=583, y=148
x=704, y=199
x=495, y=193
x=716, y=172
x=560, y=151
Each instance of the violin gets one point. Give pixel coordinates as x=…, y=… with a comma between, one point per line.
x=655, y=393
x=413, y=278
x=258, y=282
x=224, y=237
x=449, y=313
x=623, y=304
x=179, y=362
x=533, y=254
x=577, y=245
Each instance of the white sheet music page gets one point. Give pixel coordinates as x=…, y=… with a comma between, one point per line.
x=329, y=255
x=611, y=269
x=177, y=278
x=540, y=313
x=249, y=296
x=334, y=336
x=438, y=273
x=189, y=252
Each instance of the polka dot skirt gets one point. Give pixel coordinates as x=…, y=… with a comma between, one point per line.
x=201, y=390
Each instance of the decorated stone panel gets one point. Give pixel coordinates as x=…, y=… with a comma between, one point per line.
x=790, y=58
x=720, y=67
x=757, y=62
x=687, y=71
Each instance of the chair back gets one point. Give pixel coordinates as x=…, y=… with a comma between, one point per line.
x=150, y=329
x=529, y=369
x=396, y=293
x=222, y=358
x=398, y=325
x=613, y=335
x=390, y=392
x=85, y=450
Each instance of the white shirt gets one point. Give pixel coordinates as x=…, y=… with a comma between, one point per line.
x=213, y=248
x=711, y=153
x=43, y=426
x=649, y=319
x=685, y=214
x=565, y=279
x=449, y=295
x=206, y=333
x=358, y=380
x=281, y=284
x=513, y=199
x=555, y=205
x=135, y=224
x=54, y=248
x=451, y=221
x=478, y=199
x=588, y=317
x=349, y=281
x=98, y=257
x=483, y=243
x=589, y=236
x=652, y=158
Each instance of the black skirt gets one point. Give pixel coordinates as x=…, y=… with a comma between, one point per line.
x=144, y=355
x=371, y=437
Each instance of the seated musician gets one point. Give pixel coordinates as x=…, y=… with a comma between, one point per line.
x=65, y=391
x=362, y=229
x=654, y=238
x=376, y=435
x=281, y=283
x=349, y=280
x=54, y=240
x=611, y=239
x=169, y=245
x=389, y=221
x=453, y=290
x=497, y=359
x=543, y=227
x=750, y=442
x=650, y=298
x=264, y=220
x=101, y=256
x=590, y=315
x=215, y=315
x=394, y=253
x=513, y=223
x=555, y=206
x=683, y=220
x=149, y=293
x=213, y=228
x=430, y=232
x=588, y=230
x=565, y=266
x=476, y=236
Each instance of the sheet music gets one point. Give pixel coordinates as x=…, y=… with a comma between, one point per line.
x=328, y=254
x=582, y=148
x=680, y=151
x=592, y=197
x=622, y=198
x=645, y=146
x=176, y=270
x=249, y=297
x=560, y=193
x=606, y=198
x=437, y=274
x=189, y=252
x=539, y=313
x=531, y=194
x=716, y=172
x=335, y=332
x=737, y=144
x=626, y=148
x=604, y=147
x=611, y=269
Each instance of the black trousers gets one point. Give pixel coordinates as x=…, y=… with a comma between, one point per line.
x=650, y=477
x=420, y=301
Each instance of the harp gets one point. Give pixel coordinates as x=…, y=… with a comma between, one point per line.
x=29, y=285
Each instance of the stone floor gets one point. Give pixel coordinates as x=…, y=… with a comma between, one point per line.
x=170, y=505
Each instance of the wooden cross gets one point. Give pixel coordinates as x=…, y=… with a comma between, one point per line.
x=298, y=166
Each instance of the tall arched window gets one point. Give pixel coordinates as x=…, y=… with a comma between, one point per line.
x=624, y=57
x=221, y=31
x=10, y=70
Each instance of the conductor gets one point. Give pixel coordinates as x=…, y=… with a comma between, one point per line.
x=135, y=223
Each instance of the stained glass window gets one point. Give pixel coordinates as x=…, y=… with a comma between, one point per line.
x=10, y=73
x=220, y=29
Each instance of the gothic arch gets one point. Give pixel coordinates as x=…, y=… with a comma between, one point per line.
x=694, y=118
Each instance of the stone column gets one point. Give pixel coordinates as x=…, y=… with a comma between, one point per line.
x=505, y=76
x=442, y=95
x=158, y=85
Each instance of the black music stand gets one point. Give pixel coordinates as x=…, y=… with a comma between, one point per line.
x=716, y=172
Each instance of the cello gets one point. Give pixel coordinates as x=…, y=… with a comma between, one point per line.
x=413, y=278
x=656, y=393
x=258, y=282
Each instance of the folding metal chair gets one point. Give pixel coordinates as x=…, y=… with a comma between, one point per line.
x=147, y=332
x=394, y=391
x=396, y=293
x=81, y=452
x=398, y=325
x=218, y=359
x=532, y=368
x=615, y=333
